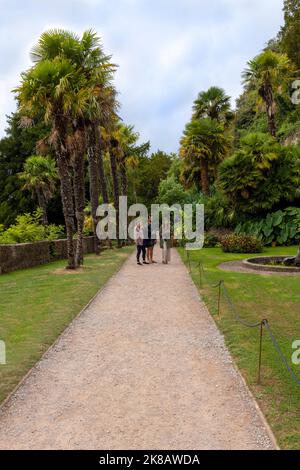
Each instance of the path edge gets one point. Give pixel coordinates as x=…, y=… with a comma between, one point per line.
x=247, y=388
x=6, y=401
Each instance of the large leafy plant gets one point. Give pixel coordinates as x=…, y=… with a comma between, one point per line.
x=280, y=227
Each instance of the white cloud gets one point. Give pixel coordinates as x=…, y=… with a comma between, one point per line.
x=167, y=50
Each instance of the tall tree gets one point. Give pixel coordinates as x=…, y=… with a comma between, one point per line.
x=213, y=104
x=205, y=144
x=269, y=74
x=39, y=176
x=77, y=94
x=290, y=33
x=58, y=85
x=113, y=155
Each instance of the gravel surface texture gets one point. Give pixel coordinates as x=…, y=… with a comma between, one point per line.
x=143, y=367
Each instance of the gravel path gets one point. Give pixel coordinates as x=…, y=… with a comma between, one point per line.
x=144, y=367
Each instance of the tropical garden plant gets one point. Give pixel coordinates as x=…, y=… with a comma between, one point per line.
x=269, y=74
x=277, y=228
x=40, y=176
x=30, y=228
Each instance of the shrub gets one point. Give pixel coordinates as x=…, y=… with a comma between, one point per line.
x=171, y=192
x=28, y=228
x=281, y=227
x=234, y=243
x=260, y=175
x=88, y=225
x=210, y=240
x=54, y=232
x=218, y=213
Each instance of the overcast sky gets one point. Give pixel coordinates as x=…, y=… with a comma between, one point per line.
x=167, y=51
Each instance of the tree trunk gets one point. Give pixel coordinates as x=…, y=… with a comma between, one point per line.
x=271, y=120
x=204, y=177
x=101, y=174
x=79, y=194
x=116, y=191
x=94, y=185
x=42, y=205
x=123, y=177
x=68, y=205
x=267, y=95
x=123, y=184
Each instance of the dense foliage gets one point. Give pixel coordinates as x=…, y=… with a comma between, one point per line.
x=234, y=243
x=29, y=228
x=280, y=227
x=242, y=164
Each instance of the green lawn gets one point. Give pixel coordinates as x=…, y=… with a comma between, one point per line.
x=37, y=304
x=276, y=298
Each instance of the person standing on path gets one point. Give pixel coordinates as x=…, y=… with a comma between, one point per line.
x=139, y=240
x=165, y=242
x=150, y=241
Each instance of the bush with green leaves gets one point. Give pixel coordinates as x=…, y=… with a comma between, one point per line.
x=217, y=211
x=261, y=175
x=280, y=227
x=210, y=240
x=171, y=192
x=234, y=243
x=28, y=228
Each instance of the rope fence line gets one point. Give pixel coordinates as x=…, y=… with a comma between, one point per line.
x=261, y=324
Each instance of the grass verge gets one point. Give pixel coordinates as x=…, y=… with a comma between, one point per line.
x=277, y=298
x=37, y=304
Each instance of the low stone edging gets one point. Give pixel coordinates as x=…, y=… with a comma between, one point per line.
x=258, y=264
x=28, y=255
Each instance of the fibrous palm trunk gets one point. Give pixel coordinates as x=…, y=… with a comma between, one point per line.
x=267, y=94
x=68, y=204
x=79, y=195
x=116, y=190
x=94, y=184
x=123, y=182
x=43, y=205
x=123, y=178
x=204, y=177
x=102, y=180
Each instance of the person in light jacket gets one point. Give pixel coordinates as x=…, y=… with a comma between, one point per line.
x=165, y=242
x=139, y=241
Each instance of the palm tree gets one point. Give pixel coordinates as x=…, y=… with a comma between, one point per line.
x=92, y=71
x=268, y=74
x=106, y=98
x=52, y=87
x=114, y=150
x=130, y=152
x=213, y=104
x=60, y=85
x=205, y=143
x=40, y=176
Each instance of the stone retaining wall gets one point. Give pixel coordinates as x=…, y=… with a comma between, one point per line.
x=27, y=255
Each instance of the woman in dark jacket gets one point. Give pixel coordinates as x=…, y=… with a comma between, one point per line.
x=150, y=241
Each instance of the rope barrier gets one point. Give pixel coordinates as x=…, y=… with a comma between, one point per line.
x=280, y=353
x=238, y=318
